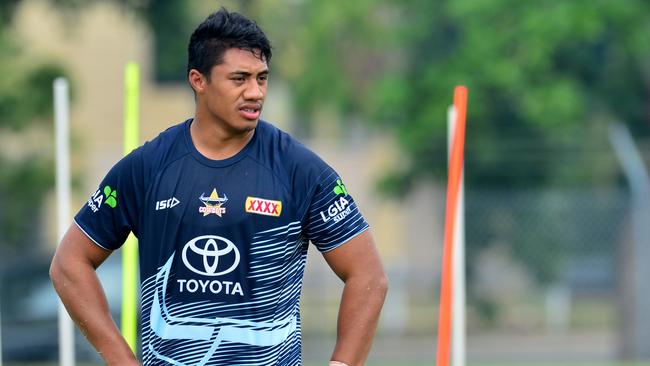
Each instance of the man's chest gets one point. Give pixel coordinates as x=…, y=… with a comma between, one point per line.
x=239, y=197
x=221, y=230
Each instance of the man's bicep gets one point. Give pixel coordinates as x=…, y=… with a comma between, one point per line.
x=78, y=247
x=357, y=256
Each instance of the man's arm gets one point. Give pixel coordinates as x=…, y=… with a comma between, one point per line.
x=73, y=275
x=357, y=263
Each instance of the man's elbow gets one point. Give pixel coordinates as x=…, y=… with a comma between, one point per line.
x=377, y=284
x=61, y=271
x=382, y=284
x=56, y=271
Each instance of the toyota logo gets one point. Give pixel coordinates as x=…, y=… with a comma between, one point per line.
x=217, y=255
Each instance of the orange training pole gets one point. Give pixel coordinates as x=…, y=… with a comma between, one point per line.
x=453, y=187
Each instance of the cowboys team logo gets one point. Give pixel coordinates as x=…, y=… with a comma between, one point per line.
x=213, y=204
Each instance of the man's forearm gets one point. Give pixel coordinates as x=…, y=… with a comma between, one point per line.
x=81, y=293
x=361, y=304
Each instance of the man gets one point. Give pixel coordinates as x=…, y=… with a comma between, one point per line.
x=224, y=206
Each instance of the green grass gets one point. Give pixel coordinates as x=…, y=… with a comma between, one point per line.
x=532, y=363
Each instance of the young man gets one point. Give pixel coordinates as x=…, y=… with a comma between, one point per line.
x=224, y=206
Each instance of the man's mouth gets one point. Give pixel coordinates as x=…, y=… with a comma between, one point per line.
x=251, y=112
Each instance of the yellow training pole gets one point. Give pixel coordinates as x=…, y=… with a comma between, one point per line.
x=130, y=249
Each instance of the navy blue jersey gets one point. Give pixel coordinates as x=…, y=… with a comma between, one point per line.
x=222, y=243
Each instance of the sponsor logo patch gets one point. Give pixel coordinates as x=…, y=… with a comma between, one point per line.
x=340, y=188
x=341, y=208
x=109, y=197
x=213, y=204
x=263, y=206
x=337, y=211
x=210, y=256
x=168, y=203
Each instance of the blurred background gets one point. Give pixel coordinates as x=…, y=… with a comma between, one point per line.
x=557, y=191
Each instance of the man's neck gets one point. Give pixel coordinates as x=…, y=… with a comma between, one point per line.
x=214, y=141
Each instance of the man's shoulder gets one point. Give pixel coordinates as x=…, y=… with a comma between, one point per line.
x=157, y=153
x=168, y=144
x=284, y=147
x=297, y=165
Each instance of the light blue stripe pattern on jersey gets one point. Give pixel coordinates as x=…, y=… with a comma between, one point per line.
x=263, y=331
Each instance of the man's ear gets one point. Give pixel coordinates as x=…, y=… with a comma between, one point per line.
x=197, y=81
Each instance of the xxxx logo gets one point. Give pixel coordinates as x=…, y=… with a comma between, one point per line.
x=263, y=207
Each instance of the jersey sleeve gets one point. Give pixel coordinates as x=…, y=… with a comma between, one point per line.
x=112, y=210
x=332, y=217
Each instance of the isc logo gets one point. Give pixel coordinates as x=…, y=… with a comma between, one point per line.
x=168, y=203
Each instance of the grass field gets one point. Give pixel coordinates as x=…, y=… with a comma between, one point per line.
x=532, y=363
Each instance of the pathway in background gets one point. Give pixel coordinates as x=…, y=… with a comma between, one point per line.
x=516, y=349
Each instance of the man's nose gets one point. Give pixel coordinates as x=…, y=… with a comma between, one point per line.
x=254, y=91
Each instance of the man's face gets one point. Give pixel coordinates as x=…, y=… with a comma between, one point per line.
x=235, y=92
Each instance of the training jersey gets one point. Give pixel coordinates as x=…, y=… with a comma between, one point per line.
x=222, y=243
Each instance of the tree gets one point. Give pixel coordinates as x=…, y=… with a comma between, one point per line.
x=546, y=74
x=27, y=167
x=26, y=113
x=544, y=78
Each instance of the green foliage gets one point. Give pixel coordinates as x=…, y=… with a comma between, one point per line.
x=172, y=25
x=25, y=109
x=537, y=73
x=24, y=180
x=28, y=98
x=23, y=186
x=544, y=79
x=330, y=51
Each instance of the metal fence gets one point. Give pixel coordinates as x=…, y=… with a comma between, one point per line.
x=544, y=283
x=550, y=243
